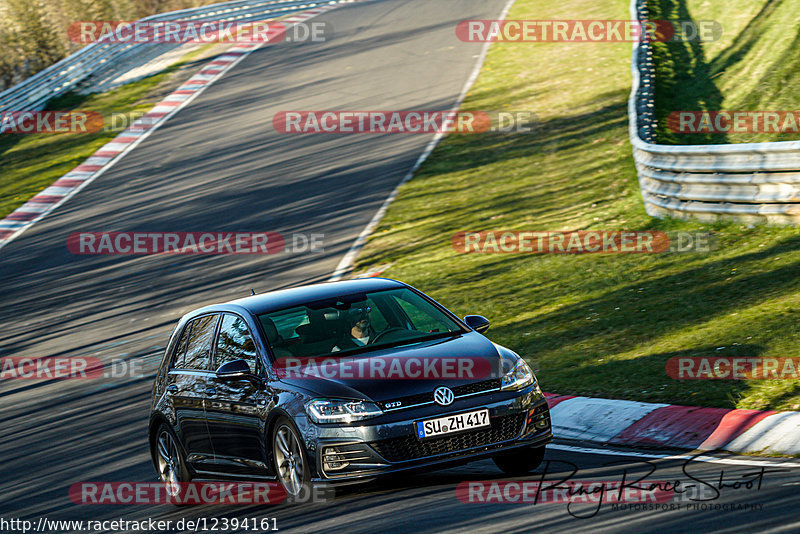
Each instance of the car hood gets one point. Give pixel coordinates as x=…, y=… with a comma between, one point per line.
x=361, y=376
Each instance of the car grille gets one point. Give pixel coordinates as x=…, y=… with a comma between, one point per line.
x=458, y=391
x=503, y=428
x=476, y=387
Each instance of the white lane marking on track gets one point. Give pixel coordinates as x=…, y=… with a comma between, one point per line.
x=346, y=264
x=709, y=459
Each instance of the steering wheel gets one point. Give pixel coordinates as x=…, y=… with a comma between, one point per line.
x=382, y=333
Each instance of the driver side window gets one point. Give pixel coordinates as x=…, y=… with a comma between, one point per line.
x=236, y=342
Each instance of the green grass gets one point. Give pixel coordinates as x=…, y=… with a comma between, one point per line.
x=30, y=163
x=755, y=66
x=602, y=325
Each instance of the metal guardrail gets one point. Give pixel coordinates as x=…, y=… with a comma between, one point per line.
x=756, y=182
x=33, y=93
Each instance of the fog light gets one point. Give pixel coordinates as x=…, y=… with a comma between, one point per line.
x=332, y=460
x=539, y=420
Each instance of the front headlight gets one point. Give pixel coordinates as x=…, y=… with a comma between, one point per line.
x=340, y=411
x=520, y=376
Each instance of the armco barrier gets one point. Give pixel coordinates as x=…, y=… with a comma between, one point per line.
x=755, y=182
x=33, y=93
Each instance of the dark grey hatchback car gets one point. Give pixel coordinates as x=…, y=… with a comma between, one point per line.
x=339, y=382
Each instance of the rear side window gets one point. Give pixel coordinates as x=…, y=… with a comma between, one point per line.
x=198, y=343
x=235, y=342
x=180, y=350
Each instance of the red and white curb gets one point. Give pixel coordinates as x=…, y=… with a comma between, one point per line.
x=71, y=183
x=619, y=422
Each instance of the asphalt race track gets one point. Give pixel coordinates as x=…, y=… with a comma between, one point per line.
x=218, y=165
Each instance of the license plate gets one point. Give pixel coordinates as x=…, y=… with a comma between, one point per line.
x=452, y=423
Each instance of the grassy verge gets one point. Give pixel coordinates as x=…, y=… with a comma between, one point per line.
x=754, y=66
x=30, y=163
x=600, y=325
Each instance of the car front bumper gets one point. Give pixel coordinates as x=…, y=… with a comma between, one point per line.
x=389, y=443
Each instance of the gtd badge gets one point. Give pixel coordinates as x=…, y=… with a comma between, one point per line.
x=443, y=396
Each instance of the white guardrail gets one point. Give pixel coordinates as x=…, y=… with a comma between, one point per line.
x=754, y=182
x=32, y=94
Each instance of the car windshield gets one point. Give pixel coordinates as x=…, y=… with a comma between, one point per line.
x=356, y=323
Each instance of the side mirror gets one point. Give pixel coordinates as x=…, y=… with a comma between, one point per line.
x=479, y=323
x=234, y=369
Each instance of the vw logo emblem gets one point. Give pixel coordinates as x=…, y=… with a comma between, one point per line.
x=443, y=396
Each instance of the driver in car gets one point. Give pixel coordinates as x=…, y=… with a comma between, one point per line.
x=361, y=330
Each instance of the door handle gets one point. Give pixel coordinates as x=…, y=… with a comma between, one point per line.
x=172, y=388
x=211, y=391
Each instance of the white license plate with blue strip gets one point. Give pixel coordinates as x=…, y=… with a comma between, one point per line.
x=452, y=423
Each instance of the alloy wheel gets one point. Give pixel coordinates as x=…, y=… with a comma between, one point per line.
x=170, y=465
x=289, y=459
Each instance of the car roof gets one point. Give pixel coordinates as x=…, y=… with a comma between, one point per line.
x=297, y=296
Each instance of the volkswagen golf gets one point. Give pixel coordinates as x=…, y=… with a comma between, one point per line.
x=341, y=381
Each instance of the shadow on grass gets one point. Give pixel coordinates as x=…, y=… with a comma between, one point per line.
x=566, y=184
x=66, y=102
x=625, y=320
x=779, y=84
x=684, y=78
x=645, y=378
x=746, y=39
x=561, y=133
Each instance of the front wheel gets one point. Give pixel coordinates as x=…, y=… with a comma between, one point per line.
x=291, y=464
x=520, y=461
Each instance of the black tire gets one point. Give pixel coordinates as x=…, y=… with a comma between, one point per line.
x=290, y=458
x=520, y=461
x=171, y=465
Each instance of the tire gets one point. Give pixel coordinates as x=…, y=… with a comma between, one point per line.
x=290, y=458
x=171, y=465
x=520, y=461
